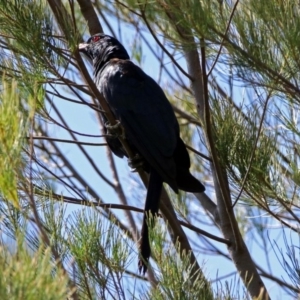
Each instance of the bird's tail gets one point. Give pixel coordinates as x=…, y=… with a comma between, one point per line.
x=187, y=182
x=151, y=206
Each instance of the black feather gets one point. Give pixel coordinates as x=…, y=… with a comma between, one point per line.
x=151, y=127
x=152, y=206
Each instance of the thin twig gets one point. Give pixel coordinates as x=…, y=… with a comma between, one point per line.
x=65, y=141
x=254, y=149
x=164, y=49
x=223, y=40
x=198, y=153
x=38, y=222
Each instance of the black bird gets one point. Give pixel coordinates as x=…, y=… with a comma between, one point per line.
x=150, y=125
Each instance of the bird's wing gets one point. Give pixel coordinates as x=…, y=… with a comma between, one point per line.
x=146, y=114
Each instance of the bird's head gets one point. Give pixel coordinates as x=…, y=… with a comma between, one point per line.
x=101, y=48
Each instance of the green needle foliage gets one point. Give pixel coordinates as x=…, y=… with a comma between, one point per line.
x=70, y=215
x=30, y=275
x=243, y=150
x=12, y=127
x=101, y=253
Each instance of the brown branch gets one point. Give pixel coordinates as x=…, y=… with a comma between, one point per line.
x=165, y=203
x=226, y=220
x=46, y=138
x=88, y=12
x=119, y=190
x=90, y=16
x=72, y=200
x=224, y=205
x=277, y=280
x=110, y=117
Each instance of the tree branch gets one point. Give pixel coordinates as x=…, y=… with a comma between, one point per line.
x=226, y=220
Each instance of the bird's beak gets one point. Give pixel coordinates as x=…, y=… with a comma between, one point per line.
x=83, y=47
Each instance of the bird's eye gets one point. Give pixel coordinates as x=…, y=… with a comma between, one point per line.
x=95, y=39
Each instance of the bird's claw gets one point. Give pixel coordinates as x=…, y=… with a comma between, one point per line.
x=135, y=162
x=142, y=266
x=115, y=130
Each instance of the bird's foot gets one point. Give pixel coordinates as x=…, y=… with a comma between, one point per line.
x=142, y=266
x=115, y=131
x=135, y=162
